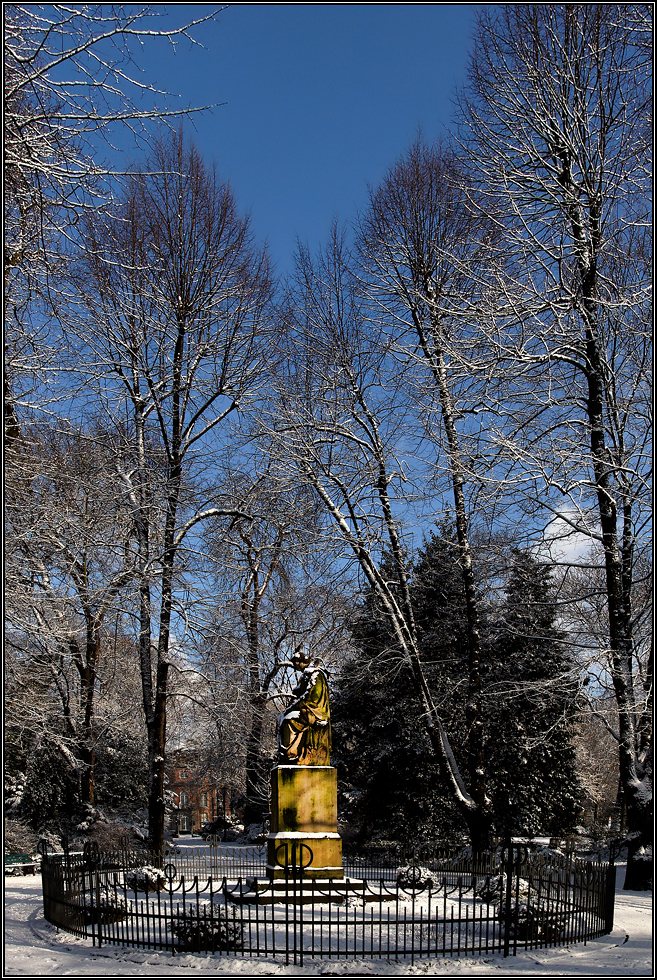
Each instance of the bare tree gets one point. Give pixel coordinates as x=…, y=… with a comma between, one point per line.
x=584, y=612
x=171, y=299
x=67, y=569
x=344, y=421
x=555, y=125
x=278, y=596
x=597, y=759
x=422, y=250
x=44, y=729
x=71, y=81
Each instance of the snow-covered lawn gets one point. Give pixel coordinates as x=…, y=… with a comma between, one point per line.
x=34, y=948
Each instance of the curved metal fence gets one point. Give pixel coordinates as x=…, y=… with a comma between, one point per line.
x=442, y=907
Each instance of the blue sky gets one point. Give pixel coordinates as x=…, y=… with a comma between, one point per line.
x=318, y=101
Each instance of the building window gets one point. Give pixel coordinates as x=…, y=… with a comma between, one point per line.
x=204, y=799
x=182, y=774
x=184, y=798
x=203, y=818
x=184, y=821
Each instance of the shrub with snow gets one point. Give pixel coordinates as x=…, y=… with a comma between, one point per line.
x=253, y=834
x=145, y=879
x=490, y=888
x=415, y=877
x=206, y=929
x=111, y=909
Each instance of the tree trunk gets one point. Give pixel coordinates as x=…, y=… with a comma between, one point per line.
x=156, y=759
x=87, y=671
x=250, y=612
x=479, y=819
x=637, y=800
x=12, y=430
x=638, y=876
x=255, y=804
x=476, y=814
x=157, y=736
x=87, y=777
x=473, y=718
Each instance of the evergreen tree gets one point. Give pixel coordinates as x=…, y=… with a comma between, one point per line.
x=51, y=790
x=391, y=787
x=390, y=782
x=122, y=771
x=532, y=699
x=439, y=607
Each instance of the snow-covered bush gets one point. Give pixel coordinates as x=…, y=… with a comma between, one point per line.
x=253, y=834
x=14, y=790
x=113, y=835
x=51, y=785
x=536, y=924
x=90, y=816
x=490, y=888
x=208, y=929
x=145, y=879
x=111, y=909
x=415, y=877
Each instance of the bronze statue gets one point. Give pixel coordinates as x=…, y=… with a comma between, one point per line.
x=304, y=728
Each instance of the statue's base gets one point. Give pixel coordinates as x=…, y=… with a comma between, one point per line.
x=310, y=855
x=304, y=837
x=303, y=892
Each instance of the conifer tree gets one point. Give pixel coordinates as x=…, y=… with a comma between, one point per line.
x=391, y=785
x=532, y=700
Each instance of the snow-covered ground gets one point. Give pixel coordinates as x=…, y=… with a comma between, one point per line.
x=35, y=948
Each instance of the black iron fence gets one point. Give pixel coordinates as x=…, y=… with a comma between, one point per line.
x=374, y=863
x=449, y=906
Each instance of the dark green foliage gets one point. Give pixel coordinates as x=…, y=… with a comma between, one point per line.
x=121, y=771
x=391, y=785
x=28, y=720
x=532, y=699
x=389, y=780
x=439, y=608
x=19, y=838
x=42, y=784
x=51, y=785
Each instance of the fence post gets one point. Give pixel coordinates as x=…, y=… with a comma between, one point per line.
x=610, y=897
x=98, y=906
x=294, y=866
x=508, y=865
x=46, y=881
x=91, y=859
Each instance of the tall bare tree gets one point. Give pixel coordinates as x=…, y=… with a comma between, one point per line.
x=278, y=595
x=555, y=127
x=66, y=572
x=171, y=297
x=422, y=251
x=71, y=81
x=345, y=422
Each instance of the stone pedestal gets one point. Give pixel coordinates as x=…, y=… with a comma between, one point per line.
x=304, y=822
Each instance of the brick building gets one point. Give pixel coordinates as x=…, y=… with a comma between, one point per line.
x=195, y=798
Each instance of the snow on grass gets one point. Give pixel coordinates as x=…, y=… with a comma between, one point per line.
x=35, y=948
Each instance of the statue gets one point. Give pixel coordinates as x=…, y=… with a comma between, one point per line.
x=304, y=728
x=303, y=833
